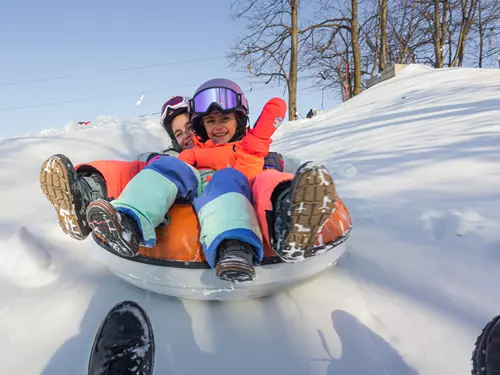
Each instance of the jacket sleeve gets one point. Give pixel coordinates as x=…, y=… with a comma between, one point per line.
x=258, y=139
x=248, y=164
x=255, y=145
x=188, y=156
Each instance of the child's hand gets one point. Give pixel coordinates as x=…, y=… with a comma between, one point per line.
x=258, y=140
x=270, y=118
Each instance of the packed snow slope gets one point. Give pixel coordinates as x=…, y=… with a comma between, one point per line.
x=417, y=161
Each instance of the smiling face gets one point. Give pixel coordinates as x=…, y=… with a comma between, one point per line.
x=182, y=131
x=220, y=127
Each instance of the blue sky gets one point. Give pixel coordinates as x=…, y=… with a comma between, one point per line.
x=84, y=41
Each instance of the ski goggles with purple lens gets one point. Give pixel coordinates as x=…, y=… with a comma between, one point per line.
x=223, y=98
x=172, y=104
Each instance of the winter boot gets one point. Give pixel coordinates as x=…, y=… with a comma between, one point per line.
x=124, y=343
x=119, y=230
x=70, y=194
x=235, y=262
x=486, y=355
x=300, y=209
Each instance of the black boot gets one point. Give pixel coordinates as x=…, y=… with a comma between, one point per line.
x=69, y=194
x=300, y=209
x=235, y=262
x=124, y=343
x=486, y=355
x=119, y=230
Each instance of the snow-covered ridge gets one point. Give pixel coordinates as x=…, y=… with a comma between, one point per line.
x=99, y=122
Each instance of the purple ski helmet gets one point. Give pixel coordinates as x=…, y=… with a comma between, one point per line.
x=224, y=96
x=173, y=107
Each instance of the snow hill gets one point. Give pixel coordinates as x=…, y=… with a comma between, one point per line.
x=416, y=160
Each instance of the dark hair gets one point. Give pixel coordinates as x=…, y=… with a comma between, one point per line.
x=241, y=127
x=167, y=125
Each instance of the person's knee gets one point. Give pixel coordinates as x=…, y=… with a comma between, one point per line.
x=168, y=165
x=229, y=174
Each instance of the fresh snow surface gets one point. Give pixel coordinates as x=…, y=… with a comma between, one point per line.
x=417, y=161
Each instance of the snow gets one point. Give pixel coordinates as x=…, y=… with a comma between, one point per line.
x=416, y=160
x=31, y=254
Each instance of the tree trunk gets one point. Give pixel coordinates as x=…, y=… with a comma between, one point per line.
x=342, y=78
x=465, y=26
x=355, y=48
x=292, y=76
x=444, y=29
x=450, y=44
x=383, y=35
x=481, y=35
x=438, y=52
x=376, y=52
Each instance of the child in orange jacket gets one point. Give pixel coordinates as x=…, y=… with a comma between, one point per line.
x=217, y=185
x=273, y=192
x=70, y=189
x=231, y=238
x=292, y=209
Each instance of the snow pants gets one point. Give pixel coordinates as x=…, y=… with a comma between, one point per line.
x=263, y=186
x=116, y=173
x=223, y=205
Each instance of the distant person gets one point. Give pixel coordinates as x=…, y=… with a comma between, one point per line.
x=310, y=114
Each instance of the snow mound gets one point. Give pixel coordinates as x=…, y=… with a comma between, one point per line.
x=459, y=223
x=25, y=260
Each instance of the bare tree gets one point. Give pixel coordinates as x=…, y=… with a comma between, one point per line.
x=487, y=29
x=439, y=27
x=331, y=44
x=355, y=47
x=376, y=50
x=332, y=74
x=409, y=33
x=271, y=46
x=347, y=40
x=452, y=22
x=468, y=10
x=383, y=33
x=293, y=70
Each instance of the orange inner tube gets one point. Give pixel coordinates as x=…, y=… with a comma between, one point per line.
x=179, y=239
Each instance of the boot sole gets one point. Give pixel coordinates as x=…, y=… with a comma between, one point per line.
x=102, y=218
x=234, y=272
x=56, y=181
x=312, y=203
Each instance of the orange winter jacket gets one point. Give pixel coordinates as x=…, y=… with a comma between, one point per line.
x=246, y=155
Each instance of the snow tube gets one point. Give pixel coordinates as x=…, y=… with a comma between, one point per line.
x=176, y=266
